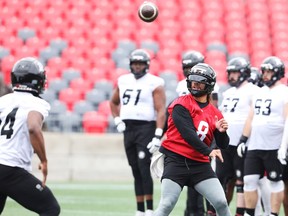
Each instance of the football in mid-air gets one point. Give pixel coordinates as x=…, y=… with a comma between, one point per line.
x=148, y=11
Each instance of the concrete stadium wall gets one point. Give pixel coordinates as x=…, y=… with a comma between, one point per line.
x=84, y=157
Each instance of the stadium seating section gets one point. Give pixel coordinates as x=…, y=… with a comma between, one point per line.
x=85, y=45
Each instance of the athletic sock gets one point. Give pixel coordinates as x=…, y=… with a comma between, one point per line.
x=251, y=212
x=240, y=211
x=149, y=204
x=140, y=206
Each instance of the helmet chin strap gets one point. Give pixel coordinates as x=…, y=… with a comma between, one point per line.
x=198, y=93
x=238, y=82
x=271, y=82
x=139, y=75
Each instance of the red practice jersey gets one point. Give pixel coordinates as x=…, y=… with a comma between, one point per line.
x=204, y=122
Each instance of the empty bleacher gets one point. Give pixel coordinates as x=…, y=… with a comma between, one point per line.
x=85, y=44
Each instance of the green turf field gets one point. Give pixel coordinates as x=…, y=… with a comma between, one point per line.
x=97, y=199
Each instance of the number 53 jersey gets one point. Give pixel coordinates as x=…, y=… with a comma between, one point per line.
x=136, y=96
x=15, y=146
x=269, y=118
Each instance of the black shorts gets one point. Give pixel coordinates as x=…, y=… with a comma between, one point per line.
x=285, y=172
x=26, y=189
x=259, y=161
x=186, y=172
x=232, y=167
x=136, y=138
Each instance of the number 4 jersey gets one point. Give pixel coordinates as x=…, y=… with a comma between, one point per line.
x=136, y=96
x=15, y=147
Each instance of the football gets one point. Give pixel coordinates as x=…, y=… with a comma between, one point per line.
x=148, y=11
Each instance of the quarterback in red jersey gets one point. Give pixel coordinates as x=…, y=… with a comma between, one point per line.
x=193, y=123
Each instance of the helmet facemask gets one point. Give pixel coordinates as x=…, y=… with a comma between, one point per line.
x=200, y=79
x=141, y=73
x=275, y=65
x=274, y=78
x=140, y=56
x=201, y=73
x=240, y=65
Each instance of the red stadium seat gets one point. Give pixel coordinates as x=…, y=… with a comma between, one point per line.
x=25, y=51
x=94, y=122
x=104, y=64
x=71, y=34
x=13, y=23
x=95, y=14
x=96, y=74
x=122, y=34
x=81, y=85
x=12, y=43
x=113, y=76
x=95, y=53
x=15, y=4
x=28, y=12
x=37, y=4
x=104, y=108
x=8, y=12
x=51, y=74
x=58, y=23
x=70, y=53
x=36, y=43
x=7, y=32
x=58, y=64
x=35, y=23
x=69, y=96
x=80, y=64
x=215, y=57
x=144, y=34
x=48, y=33
x=6, y=66
x=258, y=56
x=50, y=13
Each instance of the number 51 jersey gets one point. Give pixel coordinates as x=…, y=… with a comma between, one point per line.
x=15, y=146
x=136, y=96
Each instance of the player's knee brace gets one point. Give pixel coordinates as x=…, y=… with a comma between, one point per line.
x=276, y=186
x=240, y=188
x=251, y=182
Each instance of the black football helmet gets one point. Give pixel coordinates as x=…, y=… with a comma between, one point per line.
x=255, y=77
x=276, y=65
x=202, y=73
x=140, y=55
x=28, y=75
x=189, y=59
x=241, y=65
